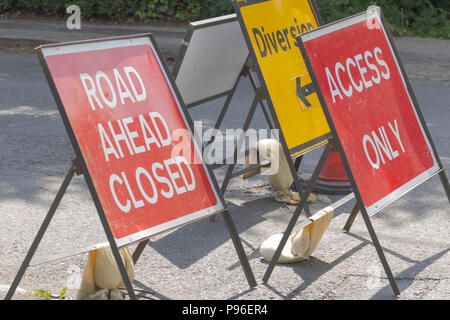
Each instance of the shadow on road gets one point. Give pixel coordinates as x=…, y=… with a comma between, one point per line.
x=312, y=269
x=185, y=246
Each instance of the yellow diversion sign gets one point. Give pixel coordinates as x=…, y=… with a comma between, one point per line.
x=270, y=28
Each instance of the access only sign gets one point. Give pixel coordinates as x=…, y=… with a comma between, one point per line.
x=370, y=108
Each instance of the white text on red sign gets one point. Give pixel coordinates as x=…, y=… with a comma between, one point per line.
x=135, y=136
x=357, y=65
x=379, y=142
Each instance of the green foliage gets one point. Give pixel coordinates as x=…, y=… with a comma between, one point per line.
x=117, y=10
x=429, y=18
x=405, y=17
x=184, y=10
x=6, y=5
x=218, y=7
x=43, y=293
x=62, y=293
x=120, y=10
x=160, y=9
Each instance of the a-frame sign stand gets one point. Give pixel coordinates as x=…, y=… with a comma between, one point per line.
x=399, y=106
x=203, y=63
x=213, y=59
x=296, y=214
x=291, y=98
x=258, y=98
x=74, y=168
x=119, y=233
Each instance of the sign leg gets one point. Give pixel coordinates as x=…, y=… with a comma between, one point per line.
x=239, y=249
x=297, y=184
x=139, y=249
x=295, y=177
x=224, y=110
x=380, y=252
x=261, y=99
x=40, y=233
x=247, y=123
x=298, y=210
x=351, y=218
x=123, y=271
x=81, y=168
x=445, y=184
x=298, y=162
x=114, y=248
x=266, y=114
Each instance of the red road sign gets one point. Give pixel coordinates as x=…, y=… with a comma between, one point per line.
x=127, y=121
x=370, y=107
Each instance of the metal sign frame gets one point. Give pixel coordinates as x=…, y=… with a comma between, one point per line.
x=229, y=93
x=244, y=70
x=184, y=51
x=359, y=206
x=79, y=166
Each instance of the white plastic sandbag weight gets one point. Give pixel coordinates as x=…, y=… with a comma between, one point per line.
x=101, y=273
x=301, y=244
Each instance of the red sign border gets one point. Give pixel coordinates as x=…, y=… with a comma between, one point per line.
x=143, y=234
x=408, y=186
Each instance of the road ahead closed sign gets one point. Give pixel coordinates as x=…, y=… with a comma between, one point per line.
x=270, y=27
x=370, y=107
x=125, y=119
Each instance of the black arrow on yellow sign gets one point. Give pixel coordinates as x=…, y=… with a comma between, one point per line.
x=303, y=92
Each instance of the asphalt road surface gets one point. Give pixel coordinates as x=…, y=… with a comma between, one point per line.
x=198, y=261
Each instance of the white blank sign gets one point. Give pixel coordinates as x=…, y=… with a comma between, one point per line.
x=213, y=55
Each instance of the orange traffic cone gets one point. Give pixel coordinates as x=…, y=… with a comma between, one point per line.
x=333, y=169
x=332, y=178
